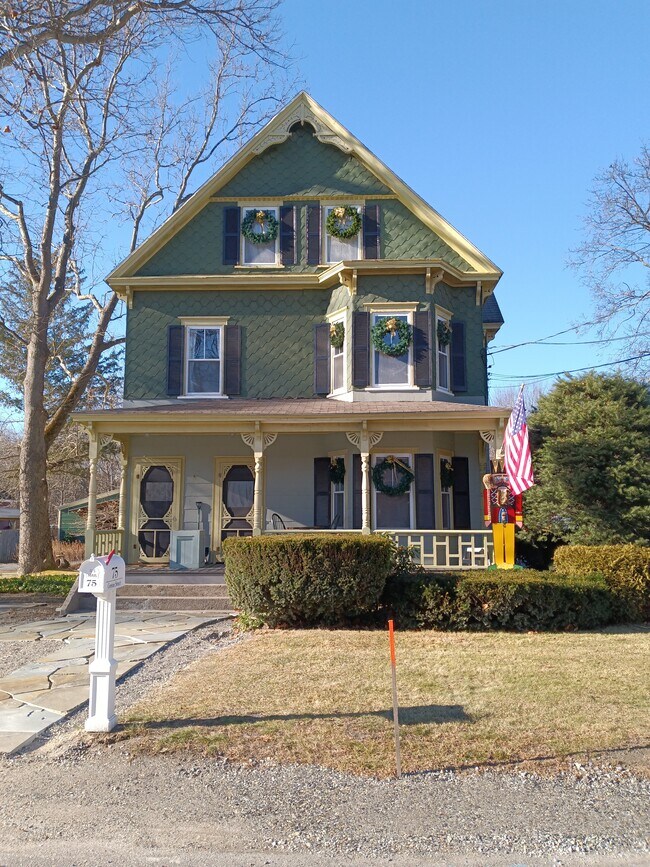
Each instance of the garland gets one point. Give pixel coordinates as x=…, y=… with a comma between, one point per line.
x=403, y=482
x=337, y=334
x=337, y=471
x=401, y=335
x=260, y=218
x=343, y=222
x=446, y=474
x=444, y=333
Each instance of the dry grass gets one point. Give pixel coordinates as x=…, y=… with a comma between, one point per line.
x=322, y=697
x=73, y=552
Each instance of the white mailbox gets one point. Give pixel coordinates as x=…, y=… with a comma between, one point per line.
x=102, y=574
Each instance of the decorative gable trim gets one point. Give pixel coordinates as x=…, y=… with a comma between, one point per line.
x=303, y=114
x=303, y=109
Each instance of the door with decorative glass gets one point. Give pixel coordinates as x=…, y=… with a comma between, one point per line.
x=157, y=496
x=234, y=501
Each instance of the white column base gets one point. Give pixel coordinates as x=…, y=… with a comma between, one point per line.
x=101, y=703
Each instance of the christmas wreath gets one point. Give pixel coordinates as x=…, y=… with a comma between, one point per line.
x=401, y=474
x=337, y=471
x=400, y=333
x=267, y=223
x=343, y=222
x=337, y=334
x=444, y=333
x=446, y=474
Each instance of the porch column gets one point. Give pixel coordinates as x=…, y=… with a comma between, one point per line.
x=365, y=440
x=259, y=441
x=93, y=452
x=124, y=467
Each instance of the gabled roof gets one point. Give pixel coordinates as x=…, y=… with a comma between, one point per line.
x=304, y=109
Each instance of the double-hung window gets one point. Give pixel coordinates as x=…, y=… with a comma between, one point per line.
x=338, y=500
x=337, y=363
x=446, y=501
x=255, y=253
x=390, y=371
x=203, y=353
x=341, y=249
x=443, y=327
x=394, y=512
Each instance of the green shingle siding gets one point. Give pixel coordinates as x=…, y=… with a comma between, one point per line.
x=403, y=236
x=303, y=166
x=277, y=338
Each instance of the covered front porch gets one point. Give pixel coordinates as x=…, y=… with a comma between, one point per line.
x=195, y=474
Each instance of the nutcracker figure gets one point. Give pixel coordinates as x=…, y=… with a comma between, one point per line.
x=502, y=510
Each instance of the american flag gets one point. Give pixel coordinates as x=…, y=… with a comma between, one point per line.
x=516, y=450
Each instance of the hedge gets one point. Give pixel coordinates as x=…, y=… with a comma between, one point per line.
x=307, y=580
x=514, y=600
x=625, y=568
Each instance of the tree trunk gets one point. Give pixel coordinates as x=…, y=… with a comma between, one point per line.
x=35, y=546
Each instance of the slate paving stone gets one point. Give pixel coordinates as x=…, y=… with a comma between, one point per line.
x=27, y=719
x=61, y=700
x=24, y=683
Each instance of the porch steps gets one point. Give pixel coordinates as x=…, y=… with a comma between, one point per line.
x=174, y=597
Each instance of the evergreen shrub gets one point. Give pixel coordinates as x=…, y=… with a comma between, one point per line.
x=625, y=568
x=307, y=580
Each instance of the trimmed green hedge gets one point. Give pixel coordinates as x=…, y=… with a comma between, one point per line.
x=514, y=600
x=307, y=580
x=56, y=585
x=625, y=568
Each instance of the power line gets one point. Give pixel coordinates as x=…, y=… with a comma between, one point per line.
x=543, y=342
x=538, y=377
x=548, y=337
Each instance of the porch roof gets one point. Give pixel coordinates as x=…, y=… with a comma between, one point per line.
x=242, y=414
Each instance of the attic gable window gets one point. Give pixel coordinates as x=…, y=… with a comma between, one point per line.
x=340, y=249
x=260, y=254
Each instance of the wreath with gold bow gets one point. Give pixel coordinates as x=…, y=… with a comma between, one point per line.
x=268, y=227
x=343, y=222
x=337, y=334
x=401, y=476
x=400, y=335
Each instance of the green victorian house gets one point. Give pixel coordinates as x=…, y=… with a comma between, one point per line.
x=305, y=348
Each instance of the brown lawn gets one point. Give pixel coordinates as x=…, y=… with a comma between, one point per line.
x=324, y=697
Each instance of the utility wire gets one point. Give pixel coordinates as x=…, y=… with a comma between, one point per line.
x=544, y=342
x=538, y=377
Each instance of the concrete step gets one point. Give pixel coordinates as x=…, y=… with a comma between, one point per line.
x=212, y=591
x=175, y=603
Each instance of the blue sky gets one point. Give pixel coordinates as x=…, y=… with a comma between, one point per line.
x=499, y=114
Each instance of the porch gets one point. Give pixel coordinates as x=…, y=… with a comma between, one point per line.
x=274, y=467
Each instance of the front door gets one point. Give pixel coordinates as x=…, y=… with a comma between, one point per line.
x=157, y=497
x=236, y=484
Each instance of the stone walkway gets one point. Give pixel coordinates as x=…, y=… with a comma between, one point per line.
x=41, y=693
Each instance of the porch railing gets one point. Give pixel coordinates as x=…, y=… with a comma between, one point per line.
x=447, y=549
x=107, y=541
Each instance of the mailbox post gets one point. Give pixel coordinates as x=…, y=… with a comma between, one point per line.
x=102, y=576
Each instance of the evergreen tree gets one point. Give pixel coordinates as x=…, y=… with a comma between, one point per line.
x=590, y=438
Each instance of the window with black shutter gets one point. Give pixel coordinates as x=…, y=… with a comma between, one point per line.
x=288, y=235
x=322, y=498
x=361, y=349
x=458, y=357
x=322, y=358
x=313, y=235
x=461, y=491
x=231, y=235
x=371, y=246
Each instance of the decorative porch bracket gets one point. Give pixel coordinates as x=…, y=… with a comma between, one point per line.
x=365, y=440
x=258, y=441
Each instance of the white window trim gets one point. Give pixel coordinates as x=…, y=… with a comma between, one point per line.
x=324, y=233
x=260, y=207
x=443, y=455
x=443, y=315
x=204, y=323
x=377, y=458
x=344, y=349
x=404, y=386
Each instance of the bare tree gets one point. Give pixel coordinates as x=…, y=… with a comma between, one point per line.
x=101, y=130
x=616, y=251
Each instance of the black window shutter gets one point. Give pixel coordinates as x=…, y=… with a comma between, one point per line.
x=231, y=236
x=288, y=235
x=460, y=489
x=232, y=360
x=361, y=350
x=313, y=235
x=322, y=358
x=422, y=347
x=371, y=232
x=175, y=345
x=356, y=491
x=322, y=499
x=424, y=493
x=458, y=361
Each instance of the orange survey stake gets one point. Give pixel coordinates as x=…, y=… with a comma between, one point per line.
x=391, y=641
